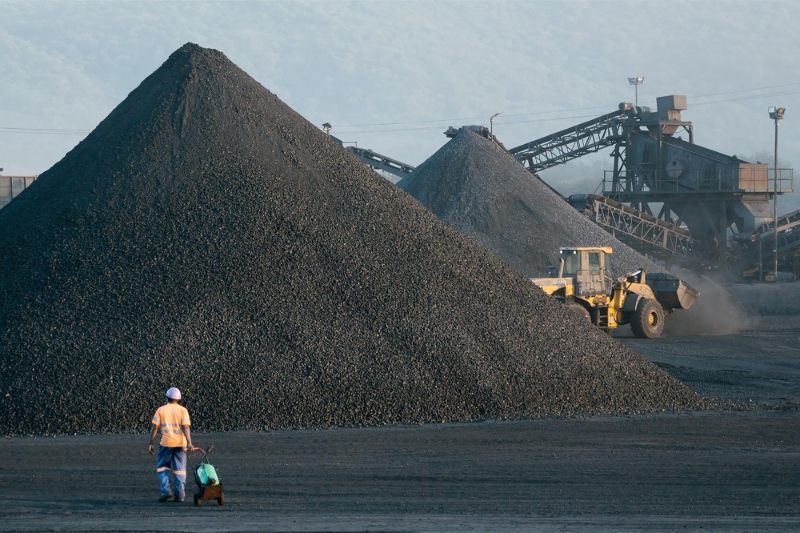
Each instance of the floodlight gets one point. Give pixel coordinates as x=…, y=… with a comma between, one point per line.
x=776, y=113
x=638, y=80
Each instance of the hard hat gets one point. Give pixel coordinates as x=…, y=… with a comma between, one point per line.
x=174, y=394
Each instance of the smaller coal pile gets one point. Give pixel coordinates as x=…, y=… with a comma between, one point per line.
x=483, y=192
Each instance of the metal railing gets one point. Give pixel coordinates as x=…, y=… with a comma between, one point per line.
x=687, y=181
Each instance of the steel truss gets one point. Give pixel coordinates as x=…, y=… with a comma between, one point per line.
x=572, y=143
x=662, y=238
x=381, y=162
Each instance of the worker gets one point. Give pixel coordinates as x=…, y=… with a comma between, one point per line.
x=176, y=441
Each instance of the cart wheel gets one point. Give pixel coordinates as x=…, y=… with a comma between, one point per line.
x=196, y=501
x=221, y=499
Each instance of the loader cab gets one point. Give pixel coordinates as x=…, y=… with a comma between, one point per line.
x=589, y=268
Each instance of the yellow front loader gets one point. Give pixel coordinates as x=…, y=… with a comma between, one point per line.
x=642, y=300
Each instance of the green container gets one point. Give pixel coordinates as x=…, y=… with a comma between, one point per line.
x=207, y=475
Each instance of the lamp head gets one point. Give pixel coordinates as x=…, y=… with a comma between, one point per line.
x=636, y=81
x=326, y=127
x=776, y=113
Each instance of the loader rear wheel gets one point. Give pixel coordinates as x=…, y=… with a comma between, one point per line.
x=647, y=321
x=580, y=310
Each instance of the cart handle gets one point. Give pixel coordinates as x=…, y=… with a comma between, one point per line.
x=198, y=449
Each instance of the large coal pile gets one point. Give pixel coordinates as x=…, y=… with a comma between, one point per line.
x=484, y=193
x=206, y=236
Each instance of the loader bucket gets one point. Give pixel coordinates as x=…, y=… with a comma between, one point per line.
x=671, y=292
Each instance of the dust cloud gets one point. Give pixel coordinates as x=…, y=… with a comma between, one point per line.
x=716, y=311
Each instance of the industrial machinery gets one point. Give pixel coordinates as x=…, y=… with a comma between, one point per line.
x=650, y=235
x=661, y=176
x=483, y=131
x=756, y=246
x=11, y=186
x=377, y=161
x=639, y=299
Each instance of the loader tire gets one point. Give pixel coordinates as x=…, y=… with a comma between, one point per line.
x=580, y=310
x=647, y=321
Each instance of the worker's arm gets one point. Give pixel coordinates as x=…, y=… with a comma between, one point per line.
x=188, y=434
x=152, y=439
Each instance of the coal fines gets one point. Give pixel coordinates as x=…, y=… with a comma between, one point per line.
x=206, y=236
x=483, y=192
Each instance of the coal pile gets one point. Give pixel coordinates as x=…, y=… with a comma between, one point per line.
x=483, y=192
x=206, y=236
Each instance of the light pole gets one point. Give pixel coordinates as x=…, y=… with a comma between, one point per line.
x=491, y=124
x=638, y=80
x=776, y=114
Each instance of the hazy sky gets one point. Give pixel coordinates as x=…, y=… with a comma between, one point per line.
x=393, y=75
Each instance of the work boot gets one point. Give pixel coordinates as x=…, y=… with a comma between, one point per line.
x=164, y=497
x=178, y=499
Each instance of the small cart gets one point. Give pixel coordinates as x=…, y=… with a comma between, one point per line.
x=206, y=478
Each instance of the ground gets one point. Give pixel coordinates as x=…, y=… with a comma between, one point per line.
x=735, y=469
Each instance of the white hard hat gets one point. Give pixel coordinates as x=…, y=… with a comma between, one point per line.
x=173, y=393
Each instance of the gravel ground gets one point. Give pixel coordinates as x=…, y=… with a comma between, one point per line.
x=206, y=236
x=483, y=192
x=710, y=471
x=758, y=366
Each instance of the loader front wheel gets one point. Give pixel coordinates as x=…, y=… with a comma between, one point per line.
x=647, y=321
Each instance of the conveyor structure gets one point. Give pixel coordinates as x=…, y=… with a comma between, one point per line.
x=642, y=231
x=381, y=162
x=559, y=148
x=378, y=161
x=661, y=175
x=758, y=246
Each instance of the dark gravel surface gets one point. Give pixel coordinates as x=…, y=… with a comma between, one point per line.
x=208, y=237
x=483, y=192
x=706, y=471
x=758, y=366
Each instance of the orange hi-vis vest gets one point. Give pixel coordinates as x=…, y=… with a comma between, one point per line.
x=171, y=418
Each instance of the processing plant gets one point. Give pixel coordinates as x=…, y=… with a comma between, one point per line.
x=666, y=196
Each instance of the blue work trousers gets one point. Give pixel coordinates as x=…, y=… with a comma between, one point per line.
x=172, y=460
